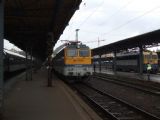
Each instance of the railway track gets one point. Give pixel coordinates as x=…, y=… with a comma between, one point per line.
x=139, y=86
x=114, y=108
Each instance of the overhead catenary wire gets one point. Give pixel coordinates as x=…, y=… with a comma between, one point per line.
x=118, y=26
x=118, y=11
x=87, y=18
x=111, y=16
x=131, y=20
x=123, y=7
x=92, y=13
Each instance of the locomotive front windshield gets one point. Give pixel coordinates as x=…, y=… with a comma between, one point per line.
x=84, y=53
x=72, y=53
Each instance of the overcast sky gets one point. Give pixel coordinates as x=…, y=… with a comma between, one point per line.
x=112, y=20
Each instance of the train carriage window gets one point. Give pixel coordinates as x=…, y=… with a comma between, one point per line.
x=84, y=53
x=72, y=53
x=145, y=57
x=154, y=57
x=148, y=57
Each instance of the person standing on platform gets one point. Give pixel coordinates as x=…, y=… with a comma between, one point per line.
x=149, y=68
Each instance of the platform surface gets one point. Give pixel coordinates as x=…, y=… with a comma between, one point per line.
x=144, y=76
x=33, y=100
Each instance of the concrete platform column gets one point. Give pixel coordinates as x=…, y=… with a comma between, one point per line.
x=1, y=54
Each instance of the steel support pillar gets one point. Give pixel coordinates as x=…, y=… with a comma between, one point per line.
x=114, y=62
x=1, y=55
x=141, y=60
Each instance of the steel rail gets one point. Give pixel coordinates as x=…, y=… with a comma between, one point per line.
x=152, y=90
x=115, y=108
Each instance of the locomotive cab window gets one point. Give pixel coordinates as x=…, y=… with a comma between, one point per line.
x=84, y=53
x=72, y=53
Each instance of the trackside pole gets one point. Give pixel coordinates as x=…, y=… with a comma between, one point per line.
x=1, y=55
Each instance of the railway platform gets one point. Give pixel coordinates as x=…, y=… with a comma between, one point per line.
x=153, y=77
x=33, y=100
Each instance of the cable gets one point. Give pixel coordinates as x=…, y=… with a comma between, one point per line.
x=91, y=14
x=105, y=20
x=122, y=25
x=115, y=13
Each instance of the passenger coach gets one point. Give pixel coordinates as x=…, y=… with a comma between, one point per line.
x=130, y=61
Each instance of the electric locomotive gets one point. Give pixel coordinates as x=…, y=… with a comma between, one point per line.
x=74, y=60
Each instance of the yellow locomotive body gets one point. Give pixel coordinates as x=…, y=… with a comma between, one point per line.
x=151, y=58
x=78, y=59
x=74, y=60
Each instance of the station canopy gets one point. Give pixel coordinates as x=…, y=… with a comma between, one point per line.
x=149, y=39
x=27, y=23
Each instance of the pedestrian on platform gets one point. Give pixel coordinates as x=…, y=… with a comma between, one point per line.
x=149, y=68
